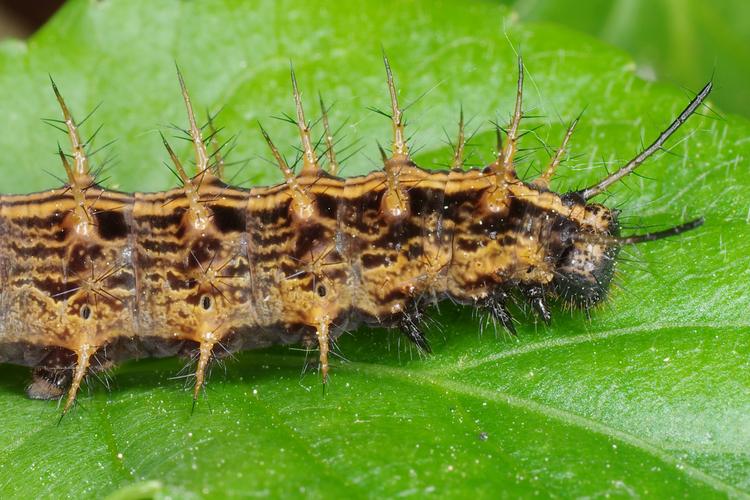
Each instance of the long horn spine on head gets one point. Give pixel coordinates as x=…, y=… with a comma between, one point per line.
x=658, y=235
x=691, y=108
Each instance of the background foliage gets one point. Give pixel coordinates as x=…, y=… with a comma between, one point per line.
x=650, y=396
x=680, y=41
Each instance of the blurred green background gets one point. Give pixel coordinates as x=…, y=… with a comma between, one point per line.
x=683, y=42
x=679, y=42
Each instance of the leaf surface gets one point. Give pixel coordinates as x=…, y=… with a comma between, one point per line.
x=648, y=397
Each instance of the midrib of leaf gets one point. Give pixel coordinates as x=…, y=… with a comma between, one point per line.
x=499, y=397
x=301, y=446
x=558, y=342
x=109, y=439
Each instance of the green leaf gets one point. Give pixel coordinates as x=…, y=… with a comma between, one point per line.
x=648, y=397
x=681, y=41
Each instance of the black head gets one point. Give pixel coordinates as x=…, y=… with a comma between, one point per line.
x=585, y=268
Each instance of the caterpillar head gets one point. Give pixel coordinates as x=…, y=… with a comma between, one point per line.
x=586, y=265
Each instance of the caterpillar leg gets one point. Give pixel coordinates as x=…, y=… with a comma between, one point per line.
x=494, y=304
x=59, y=369
x=410, y=325
x=52, y=375
x=535, y=296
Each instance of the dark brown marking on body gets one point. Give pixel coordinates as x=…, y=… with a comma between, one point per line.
x=228, y=219
x=111, y=224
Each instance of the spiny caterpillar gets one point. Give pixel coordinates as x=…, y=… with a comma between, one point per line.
x=91, y=277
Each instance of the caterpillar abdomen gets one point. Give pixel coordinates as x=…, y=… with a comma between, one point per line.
x=91, y=277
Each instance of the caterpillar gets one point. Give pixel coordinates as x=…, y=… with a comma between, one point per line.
x=91, y=277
